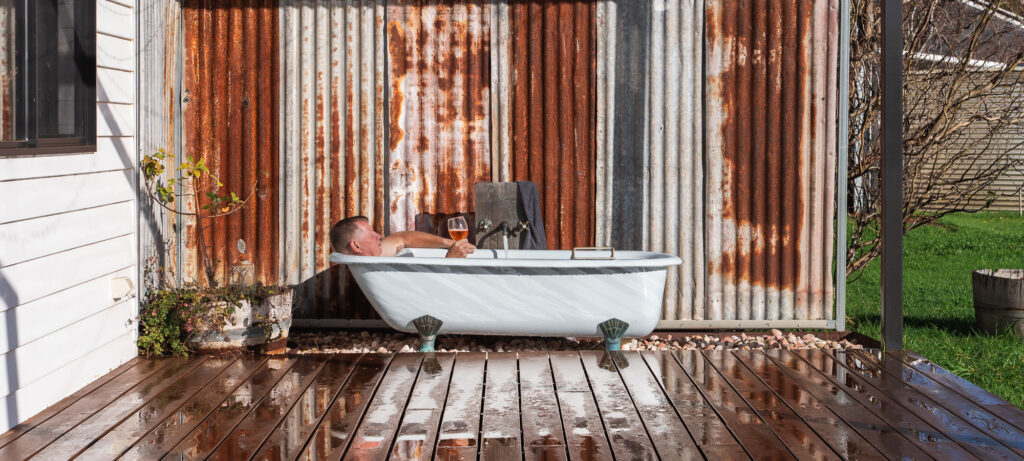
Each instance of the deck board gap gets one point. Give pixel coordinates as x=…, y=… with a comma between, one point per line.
x=14, y=444
x=893, y=394
x=405, y=408
x=558, y=403
x=597, y=405
x=154, y=424
x=327, y=407
x=253, y=407
x=185, y=371
x=756, y=413
x=362, y=413
x=918, y=428
x=207, y=414
x=24, y=427
x=715, y=407
x=444, y=407
x=284, y=414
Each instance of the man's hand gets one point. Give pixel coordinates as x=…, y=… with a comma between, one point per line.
x=460, y=249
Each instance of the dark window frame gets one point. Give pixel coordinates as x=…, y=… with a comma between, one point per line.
x=26, y=131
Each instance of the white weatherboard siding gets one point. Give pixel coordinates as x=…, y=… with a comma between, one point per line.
x=67, y=227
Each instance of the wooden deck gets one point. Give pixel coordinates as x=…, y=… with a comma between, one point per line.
x=558, y=405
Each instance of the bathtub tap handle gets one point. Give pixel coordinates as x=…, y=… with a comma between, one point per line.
x=515, y=231
x=485, y=225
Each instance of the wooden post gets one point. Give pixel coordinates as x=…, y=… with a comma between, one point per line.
x=892, y=174
x=496, y=202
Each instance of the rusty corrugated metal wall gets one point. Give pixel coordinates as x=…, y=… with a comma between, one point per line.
x=332, y=142
x=650, y=152
x=546, y=91
x=770, y=96
x=159, y=104
x=552, y=112
x=229, y=92
x=439, y=63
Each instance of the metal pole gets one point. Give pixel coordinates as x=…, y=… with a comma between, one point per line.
x=843, y=139
x=892, y=174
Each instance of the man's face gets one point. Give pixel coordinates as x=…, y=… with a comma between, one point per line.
x=367, y=242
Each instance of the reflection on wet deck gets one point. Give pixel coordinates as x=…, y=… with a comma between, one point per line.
x=810, y=404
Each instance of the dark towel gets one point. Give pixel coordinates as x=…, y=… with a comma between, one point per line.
x=529, y=206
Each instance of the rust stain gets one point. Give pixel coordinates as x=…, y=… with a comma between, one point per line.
x=231, y=122
x=554, y=113
x=440, y=72
x=399, y=68
x=762, y=88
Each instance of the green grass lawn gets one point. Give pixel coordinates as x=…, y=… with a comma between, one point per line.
x=938, y=313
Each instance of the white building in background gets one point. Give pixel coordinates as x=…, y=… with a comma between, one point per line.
x=67, y=199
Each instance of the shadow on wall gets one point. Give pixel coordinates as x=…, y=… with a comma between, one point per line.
x=10, y=298
x=332, y=294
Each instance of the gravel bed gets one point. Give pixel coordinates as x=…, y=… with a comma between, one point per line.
x=320, y=342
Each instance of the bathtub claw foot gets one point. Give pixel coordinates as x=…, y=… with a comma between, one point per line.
x=427, y=327
x=613, y=331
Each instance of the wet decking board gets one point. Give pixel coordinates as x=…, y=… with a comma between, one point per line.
x=584, y=431
x=547, y=406
x=500, y=426
x=137, y=425
x=206, y=436
x=928, y=438
x=802, y=441
x=417, y=433
x=666, y=429
x=334, y=432
x=876, y=430
x=250, y=433
x=373, y=437
x=752, y=432
x=989, y=424
x=35, y=438
x=543, y=436
x=458, y=436
x=941, y=416
x=846, y=442
x=40, y=418
x=95, y=426
x=291, y=435
x=997, y=406
x=628, y=439
x=174, y=427
x=703, y=423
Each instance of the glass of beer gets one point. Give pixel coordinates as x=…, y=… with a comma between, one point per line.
x=457, y=228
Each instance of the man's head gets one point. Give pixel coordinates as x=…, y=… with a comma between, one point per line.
x=354, y=236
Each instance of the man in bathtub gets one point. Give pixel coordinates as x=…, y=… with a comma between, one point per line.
x=354, y=236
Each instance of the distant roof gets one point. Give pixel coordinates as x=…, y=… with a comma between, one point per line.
x=998, y=45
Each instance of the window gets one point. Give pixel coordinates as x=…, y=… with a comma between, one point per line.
x=47, y=76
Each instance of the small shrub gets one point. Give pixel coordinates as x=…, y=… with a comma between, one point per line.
x=170, y=317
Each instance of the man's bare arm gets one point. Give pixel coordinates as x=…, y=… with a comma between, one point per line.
x=394, y=243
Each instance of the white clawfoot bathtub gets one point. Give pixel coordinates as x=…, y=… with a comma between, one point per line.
x=538, y=293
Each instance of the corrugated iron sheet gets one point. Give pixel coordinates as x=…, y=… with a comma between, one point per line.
x=159, y=99
x=230, y=91
x=770, y=160
x=7, y=69
x=439, y=63
x=332, y=143
x=650, y=154
x=553, y=112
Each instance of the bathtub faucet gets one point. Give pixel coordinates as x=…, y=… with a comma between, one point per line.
x=514, y=231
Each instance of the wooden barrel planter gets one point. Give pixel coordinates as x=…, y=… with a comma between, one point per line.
x=999, y=300
x=264, y=325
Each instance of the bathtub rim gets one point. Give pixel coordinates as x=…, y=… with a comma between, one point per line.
x=623, y=259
